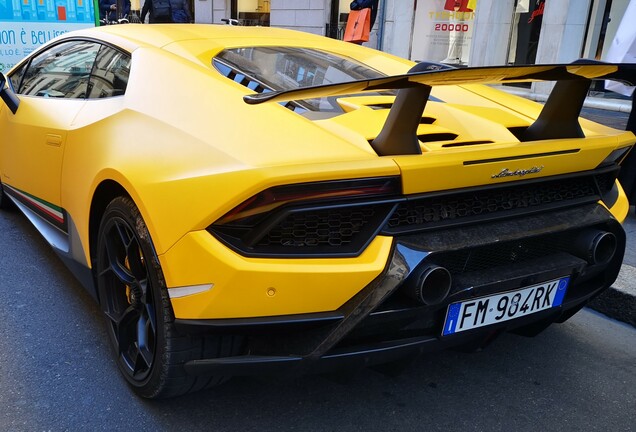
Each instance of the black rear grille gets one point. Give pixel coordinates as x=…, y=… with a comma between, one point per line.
x=339, y=229
x=324, y=228
x=505, y=254
x=434, y=211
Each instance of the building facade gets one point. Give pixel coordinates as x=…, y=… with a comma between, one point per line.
x=462, y=32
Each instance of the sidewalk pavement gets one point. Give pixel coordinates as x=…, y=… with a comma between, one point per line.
x=618, y=301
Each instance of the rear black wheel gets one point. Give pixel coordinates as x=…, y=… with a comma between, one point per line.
x=140, y=321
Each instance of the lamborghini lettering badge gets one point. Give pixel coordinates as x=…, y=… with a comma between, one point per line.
x=520, y=172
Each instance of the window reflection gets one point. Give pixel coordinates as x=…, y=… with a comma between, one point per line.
x=285, y=68
x=62, y=71
x=16, y=77
x=74, y=69
x=110, y=74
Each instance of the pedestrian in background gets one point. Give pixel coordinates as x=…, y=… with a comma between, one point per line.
x=623, y=50
x=159, y=10
x=108, y=10
x=363, y=4
x=360, y=21
x=166, y=11
x=180, y=11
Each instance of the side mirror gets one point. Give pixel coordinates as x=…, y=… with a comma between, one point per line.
x=7, y=95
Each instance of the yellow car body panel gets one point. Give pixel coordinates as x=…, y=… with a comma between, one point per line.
x=153, y=164
x=269, y=287
x=43, y=137
x=480, y=164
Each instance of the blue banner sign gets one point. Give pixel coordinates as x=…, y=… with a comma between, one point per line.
x=27, y=24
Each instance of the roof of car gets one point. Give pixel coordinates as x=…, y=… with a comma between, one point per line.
x=161, y=35
x=199, y=43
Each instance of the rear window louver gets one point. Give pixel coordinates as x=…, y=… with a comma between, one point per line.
x=249, y=82
x=240, y=78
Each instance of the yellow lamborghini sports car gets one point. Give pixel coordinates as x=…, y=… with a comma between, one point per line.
x=247, y=201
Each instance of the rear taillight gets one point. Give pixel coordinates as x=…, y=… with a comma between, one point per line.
x=330, y=191
x=332, y=218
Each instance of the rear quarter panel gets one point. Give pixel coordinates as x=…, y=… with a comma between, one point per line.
x=188, y=149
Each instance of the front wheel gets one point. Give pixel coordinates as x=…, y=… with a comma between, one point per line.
x=140, y=321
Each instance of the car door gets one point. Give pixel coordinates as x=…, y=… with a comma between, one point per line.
x=52, y=89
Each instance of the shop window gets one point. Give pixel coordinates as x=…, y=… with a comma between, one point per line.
x=251, y=12
x=606, y=21
x=526, y=30
x=443, y=31
x=338, y=19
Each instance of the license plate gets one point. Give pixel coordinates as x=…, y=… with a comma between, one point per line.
x=483, y=311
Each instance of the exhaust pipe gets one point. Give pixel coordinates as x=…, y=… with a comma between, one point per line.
x=596, y=246
x=429, y=285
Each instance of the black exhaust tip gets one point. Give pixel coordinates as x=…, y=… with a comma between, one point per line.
x=430, y=285
x=596, y=247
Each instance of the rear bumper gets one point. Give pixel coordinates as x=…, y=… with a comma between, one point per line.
x=381, y=325
x=357, y=356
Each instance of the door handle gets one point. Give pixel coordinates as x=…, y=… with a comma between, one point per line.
x=54, y=140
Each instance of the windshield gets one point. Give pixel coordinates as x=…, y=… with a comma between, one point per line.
x=283, y=68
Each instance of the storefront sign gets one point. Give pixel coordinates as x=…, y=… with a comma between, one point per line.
x=27, y=24
x=538, y=11
x=443, y=30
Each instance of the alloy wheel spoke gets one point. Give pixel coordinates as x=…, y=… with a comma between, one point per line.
x=126, y=329
x=116, y=245
x=135, y=261
x=144, y=356
x=146, y=294
x=152, y=318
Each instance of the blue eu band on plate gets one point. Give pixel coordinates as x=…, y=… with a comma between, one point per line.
x=484, y=311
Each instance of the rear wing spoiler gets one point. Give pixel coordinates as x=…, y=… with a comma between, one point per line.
x=558, y=118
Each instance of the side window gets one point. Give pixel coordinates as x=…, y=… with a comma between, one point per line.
x=62, y=71
x=16, y=77
x=110, y=74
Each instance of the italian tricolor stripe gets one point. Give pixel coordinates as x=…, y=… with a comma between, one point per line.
x=51, y=211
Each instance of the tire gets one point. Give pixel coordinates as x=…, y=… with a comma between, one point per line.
x=140, y=322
